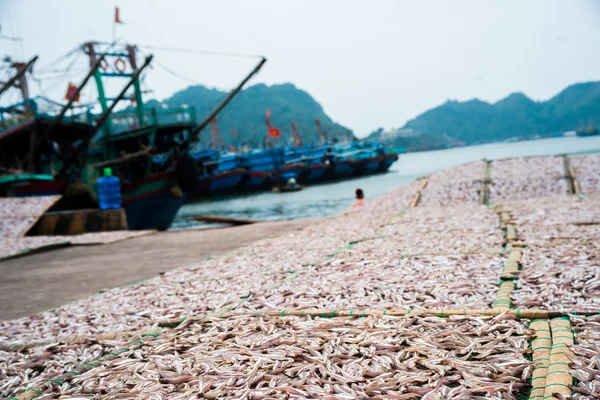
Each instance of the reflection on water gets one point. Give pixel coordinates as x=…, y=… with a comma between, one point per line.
x=330, y=199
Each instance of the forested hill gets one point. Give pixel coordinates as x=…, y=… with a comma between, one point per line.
x=476, y=121
x=246, y=113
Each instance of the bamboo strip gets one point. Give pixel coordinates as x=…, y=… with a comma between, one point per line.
x=511, y=232
x=29, y=395
x=503, y=299
x=540, y=346
x=558, y=378
x=511, y=266
x=23, y=346
x=417, y=197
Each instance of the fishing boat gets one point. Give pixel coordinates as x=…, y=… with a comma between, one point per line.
x=284, y=171
x=219, y=172
x=268, y=167
x=259, y=165
x=316, y=164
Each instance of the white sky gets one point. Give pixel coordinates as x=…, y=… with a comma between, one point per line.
x=371, y=64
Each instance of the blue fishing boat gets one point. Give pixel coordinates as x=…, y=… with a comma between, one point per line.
x=287, y=166
x=317, y=163
x=259, y=165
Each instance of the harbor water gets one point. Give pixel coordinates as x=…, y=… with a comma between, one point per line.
x=332, y=198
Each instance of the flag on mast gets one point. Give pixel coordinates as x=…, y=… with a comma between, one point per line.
x=117, y=17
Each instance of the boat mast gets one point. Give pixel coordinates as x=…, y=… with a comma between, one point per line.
x=297, y=142
x=36, y=142
x=322, y=136
x=19, y=80
x=215, y=134
x=118, y=71
x=194, y=134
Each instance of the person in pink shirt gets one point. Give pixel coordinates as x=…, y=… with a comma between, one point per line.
x=360, y=198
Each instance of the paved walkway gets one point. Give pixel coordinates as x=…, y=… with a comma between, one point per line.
x=49, y=279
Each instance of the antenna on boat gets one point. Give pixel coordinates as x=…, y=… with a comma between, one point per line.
x=194, y=134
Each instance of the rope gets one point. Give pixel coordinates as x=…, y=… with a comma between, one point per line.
x=206, y=52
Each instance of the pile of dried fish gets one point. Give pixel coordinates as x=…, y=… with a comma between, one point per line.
x=17, y=214
x=560, y=276
x=51, y=368
x=586, y=172
x=402, y=243
x=291, y=357
x=523, y=178
x=428, y=219
x=460, y=184
x=372, y=277
x=586, y=357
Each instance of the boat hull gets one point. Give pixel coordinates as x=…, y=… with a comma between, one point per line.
x=372, y=165
x=150, y=203
x=285, y=173
x=225, y=181
x=387, y=162
x=343, y=169
x=316, y=172
x=255, y=180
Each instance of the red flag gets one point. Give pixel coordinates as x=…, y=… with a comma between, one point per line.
x=71, y=90
x=117, y=18
x=274, y=132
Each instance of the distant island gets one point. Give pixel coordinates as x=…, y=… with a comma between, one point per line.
x=246, y=113
x=515, y=117
x=451, y=124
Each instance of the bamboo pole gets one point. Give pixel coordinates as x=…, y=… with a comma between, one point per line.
x=558, y=379
x=568, y=176
x=525, y=314
x=485, y=179
x=576, y=188
x=541, y=346
x=417, y=196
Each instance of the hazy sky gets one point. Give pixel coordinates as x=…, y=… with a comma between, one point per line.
x=369, y=63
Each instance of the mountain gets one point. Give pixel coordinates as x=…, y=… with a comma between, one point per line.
x=476, y=121
x=246, y=113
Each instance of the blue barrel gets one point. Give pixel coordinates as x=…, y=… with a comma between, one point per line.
x=109, y=190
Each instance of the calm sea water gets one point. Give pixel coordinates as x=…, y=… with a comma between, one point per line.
x=332, y=198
